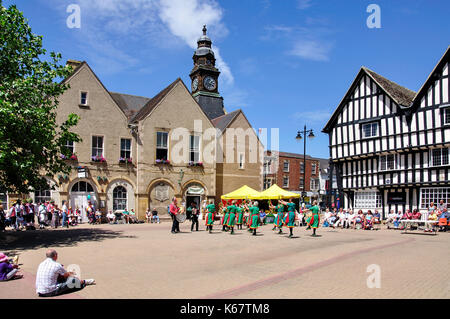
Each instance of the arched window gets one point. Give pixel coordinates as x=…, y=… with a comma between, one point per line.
x=82, y=187
x=119, y=198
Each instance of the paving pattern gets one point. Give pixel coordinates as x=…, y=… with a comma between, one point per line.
x=147, y=261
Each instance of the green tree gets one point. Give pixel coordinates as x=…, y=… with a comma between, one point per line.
x=31, y=141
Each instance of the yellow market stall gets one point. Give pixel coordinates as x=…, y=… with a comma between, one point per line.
x=245, y=192
x=275, y=192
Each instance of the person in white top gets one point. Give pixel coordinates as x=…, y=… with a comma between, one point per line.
x=42, y=215
x=52, y=279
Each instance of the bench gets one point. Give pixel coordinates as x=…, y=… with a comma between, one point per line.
x=406, y=222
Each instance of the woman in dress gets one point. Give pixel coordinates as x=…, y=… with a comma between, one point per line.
x=280, y=216
x=210, y=209
x=254, y=218
x=289, y=219
x=314, y=221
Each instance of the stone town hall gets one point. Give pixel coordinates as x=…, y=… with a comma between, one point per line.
x=134, y=135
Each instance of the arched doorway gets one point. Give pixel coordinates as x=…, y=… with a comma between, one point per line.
x=80, y=194
x=194, y=192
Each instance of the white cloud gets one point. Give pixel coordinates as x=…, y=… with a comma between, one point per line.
x=304, y=4
x=317, y=116
x=107, y=25
x=185, y=19
x=311, y=50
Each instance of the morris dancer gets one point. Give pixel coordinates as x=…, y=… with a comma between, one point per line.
x=254, y=218
x=231, y=216
x=290, y=217
x=314, y=220
x=240, y=216
x=211, y=208
x=280, y=216
x=225, y=219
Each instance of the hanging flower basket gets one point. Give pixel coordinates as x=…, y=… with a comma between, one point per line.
x=62, y=156
x=74, y=157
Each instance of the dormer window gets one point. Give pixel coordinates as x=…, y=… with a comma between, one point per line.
x=370, y=130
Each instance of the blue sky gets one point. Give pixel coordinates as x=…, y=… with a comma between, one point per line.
x=285, y=63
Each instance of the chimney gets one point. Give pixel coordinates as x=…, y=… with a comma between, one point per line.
x=73, y=63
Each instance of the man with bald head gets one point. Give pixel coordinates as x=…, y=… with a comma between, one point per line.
x=52, y=279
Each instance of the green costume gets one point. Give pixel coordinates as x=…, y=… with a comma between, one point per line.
x=231, y=210
x=289, y=220
x=254, y=216
x=280, y=215
x=211, y=208
x=240, y=215
x=314, y=220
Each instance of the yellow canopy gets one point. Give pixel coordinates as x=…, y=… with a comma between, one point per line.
x=275, y=192
x=244, y=192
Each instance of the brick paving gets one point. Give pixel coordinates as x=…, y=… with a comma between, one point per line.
x=147, y=261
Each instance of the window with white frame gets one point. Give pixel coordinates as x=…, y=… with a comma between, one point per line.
x=435, y=195
x=447, y=115
x=315, y=184
x=162, y=149
x=388, y=162
x=285, y=181
x=313, y=168
x=367, y=199
x=84, y=98
x=241, y=160
x=370, y=130
x=301, y=185
x=302, y=168
x=194, y=151
x=439, y=157
x=97, y=146
x=125, y=148
x=286, y=166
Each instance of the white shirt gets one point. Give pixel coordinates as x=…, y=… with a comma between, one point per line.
x=64, y=208
x=47, y=276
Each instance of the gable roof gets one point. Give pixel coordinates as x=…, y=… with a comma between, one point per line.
x=151, y=104
x=130, y=104
x=222, y=122
x=399, y=94
x=431, y=78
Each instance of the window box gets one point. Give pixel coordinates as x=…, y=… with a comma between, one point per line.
x=193, y=164
x=162, y=161
x=98, y=159
x=123, y=160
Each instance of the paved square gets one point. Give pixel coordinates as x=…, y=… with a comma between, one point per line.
x=147, y=261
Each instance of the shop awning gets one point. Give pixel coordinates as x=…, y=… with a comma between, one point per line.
x=244, y=192
x=275, y=192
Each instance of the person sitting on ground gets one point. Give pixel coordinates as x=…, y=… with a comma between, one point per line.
x=111, y=217
x=8, y=270
x=148, y=216
x=155, y=217
x=52, y=279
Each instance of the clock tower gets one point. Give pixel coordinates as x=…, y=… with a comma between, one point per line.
x=204, y=77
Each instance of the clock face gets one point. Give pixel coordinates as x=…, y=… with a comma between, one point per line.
x=209, y=83
x=195, y=84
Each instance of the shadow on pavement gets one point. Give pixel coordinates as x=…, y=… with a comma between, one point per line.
x=12, y=242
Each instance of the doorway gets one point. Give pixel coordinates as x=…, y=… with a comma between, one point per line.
x=80, y=194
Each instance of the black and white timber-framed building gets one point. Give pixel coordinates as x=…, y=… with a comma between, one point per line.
x=389, y=146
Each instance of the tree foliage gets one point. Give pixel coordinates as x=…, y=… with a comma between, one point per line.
x=31, y=141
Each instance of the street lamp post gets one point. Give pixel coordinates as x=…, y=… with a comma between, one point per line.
x=299, y=137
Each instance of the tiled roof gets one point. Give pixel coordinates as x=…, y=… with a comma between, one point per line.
x=223, y=121
x=130, y=104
